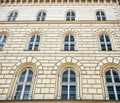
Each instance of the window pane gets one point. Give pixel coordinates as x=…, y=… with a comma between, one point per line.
x=66, y=38
x=19, y=88
x=98, y=18
x=38, y=38
x=72, y=96
x=1, y=46
x=109, y=47
x=71, y=38
x=72, y=89
x=64, y=89
x=32, y=38
x=68, y=13
x=25, y=96
x=4, y=39
x=103, y=47
x=30, y=75
x=103, y=18
x=64, y=96
x=66, y=47
x=30, y=46
x=27, y=88
x=65, y=76
x=112, y=96
x=71, y=46
x=17, y=95
x=101, y=38
x=108, y=76
x=116, y=76
x=107, y=38
x=111, y=93
x=72, y=76
x=22, y=77
x=36, y=46
x=72, y=18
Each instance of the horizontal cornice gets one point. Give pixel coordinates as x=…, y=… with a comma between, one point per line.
x=62, y=22
x=59, y=101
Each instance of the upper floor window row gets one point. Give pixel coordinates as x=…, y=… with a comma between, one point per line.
x=69, y=42
x=70, y=16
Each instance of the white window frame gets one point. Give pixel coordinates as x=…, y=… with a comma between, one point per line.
x=69, y=43
x=1, y=41
x=12, y=16
x=101, y=16
x=70, y=16
x=105, y=42
x=24, y=84
x=68, y=84
x=41, y=17
x=113, y=83
x=34, y=42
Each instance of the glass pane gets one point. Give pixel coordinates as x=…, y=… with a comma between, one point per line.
x=72, y=47
x=118, y=89
x=102, y=13
x=44, y=13
x=15, y=14
x=19, y=88
x=116, y=76
x=68, y=18
x=38, y=38
x=108, y=76
x=1, y=46
x=64, y=96
x=66, y=47
x=72, y=13
x=25, y=96
x=32, y=38
x=17, y=95
x=107, y=38
x=30, y=46
x=43, y=18
x=64, y=89
x=71, y=38
x=101, y=38
x=72, y=18
x=68, y=13
x=110, y=89
x=72, y=76
x=98, y=13
x=103, y=47
x=111, y=96
x=73, y=96
x=72, y=89
x=36, y=46
x=103, y=18
x=30, y=75
x=4, y=39
x=27, y=88
x=98, y=18
x=66, y=38
x=118, y=96
x=22, y=77
x=111, y=92
x=65, y=76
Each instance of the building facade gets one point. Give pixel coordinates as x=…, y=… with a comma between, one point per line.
x=60, y=50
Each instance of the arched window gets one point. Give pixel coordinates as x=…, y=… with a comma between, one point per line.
x=68, y=84
x=24, y=85
x=113, y=84
x=3, y=39
x=41, y=16
x=100, y=15
x=70, y=16
x=105, y=42
x=34, y=43
x=69, y=42
x=13, y=16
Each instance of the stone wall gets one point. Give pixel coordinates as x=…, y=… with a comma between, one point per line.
x=87, y=59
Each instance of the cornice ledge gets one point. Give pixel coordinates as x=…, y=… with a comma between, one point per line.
x=62, y=22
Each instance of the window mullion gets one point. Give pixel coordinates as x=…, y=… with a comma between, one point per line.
x=34, y=43
x=105, y=42
x=69, y=43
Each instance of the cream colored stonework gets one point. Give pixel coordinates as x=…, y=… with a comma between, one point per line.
x=48, y=63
